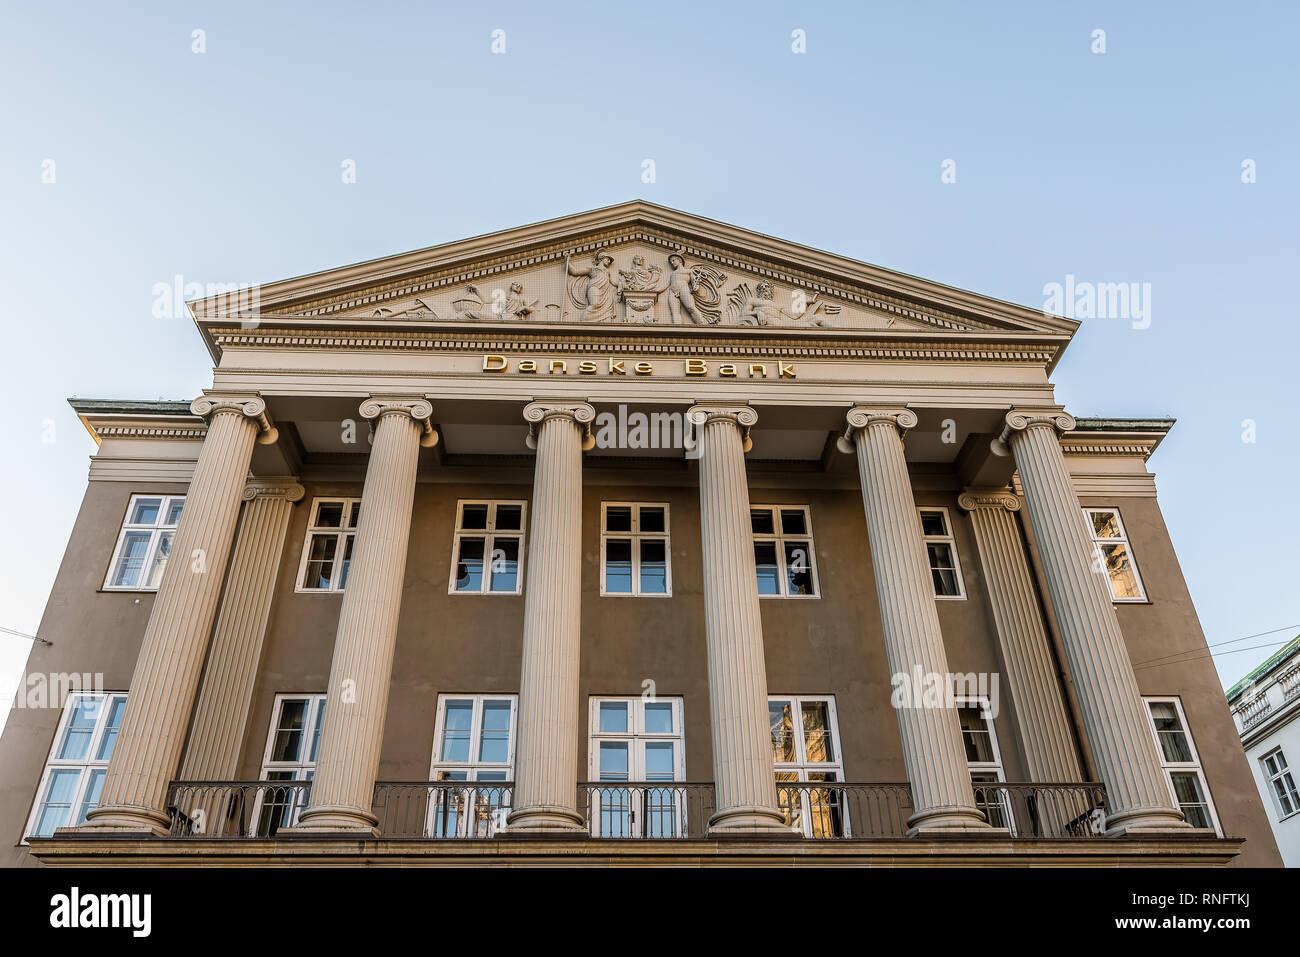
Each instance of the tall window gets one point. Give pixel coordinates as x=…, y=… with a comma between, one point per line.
x=784, y=558
x=941, y=552
x=327, y=554
x=1281, y=783
x=634, y=740
x=984, y=759
x=78, y=761
x=1114, y=554
x=487, y=553
x=144, y=542
x=1182, y=765
x=634, y=550
x=290, y=755
x=474, y=741
x=806, y=748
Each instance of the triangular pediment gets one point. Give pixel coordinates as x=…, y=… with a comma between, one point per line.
x=634, y=264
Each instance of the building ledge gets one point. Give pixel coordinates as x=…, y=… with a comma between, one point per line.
x=964, y=851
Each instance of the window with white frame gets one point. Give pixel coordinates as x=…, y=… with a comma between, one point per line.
x=487, y=552
x=634, y=550
x=984, y=759
x=1281, y=783
x=473, y=742
x=635, y=745
x=784, y=558
x=144, y=543
x=806, y=748
x=331, y=535
x=941, y=553
x=1181, y=763
x=1114, y=554
x=291, y=746
x=74, y=772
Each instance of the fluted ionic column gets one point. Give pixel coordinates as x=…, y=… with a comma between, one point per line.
x=221, y=714
x=744, y=780
x=933, y=754
x=1022, y=637
x=546, y=758
x=356, y=701
x=1114, y=717
x=170, y=662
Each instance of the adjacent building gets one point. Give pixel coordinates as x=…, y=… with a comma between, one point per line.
x=624, y=537
x=1266, y=705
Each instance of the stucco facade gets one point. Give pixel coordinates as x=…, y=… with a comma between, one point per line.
x=817, y=384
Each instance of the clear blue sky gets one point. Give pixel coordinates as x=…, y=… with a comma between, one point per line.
x=1117, y=167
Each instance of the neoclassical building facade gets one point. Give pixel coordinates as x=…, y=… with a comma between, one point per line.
x=624, y=537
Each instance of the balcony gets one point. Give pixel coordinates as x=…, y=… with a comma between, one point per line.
x=629, y=811
x=1253, y=712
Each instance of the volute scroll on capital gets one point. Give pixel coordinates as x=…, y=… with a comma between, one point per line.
x=971, y=499
x=245, y=403
x=1021, y=420
x=743, y=416
x=418, y=408
x=861, y=416
x=581, y=413
x=286, y=488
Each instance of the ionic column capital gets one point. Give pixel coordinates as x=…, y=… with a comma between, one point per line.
x=249, y=404
x=581, y=414
x=861, y=416
x=274, y=487
x=1021, y=420
x=993, y=498
x=417, y=407
x=742, y=416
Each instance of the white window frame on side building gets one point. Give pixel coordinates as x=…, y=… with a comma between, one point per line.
x=156, y=535
x=100, y=718
x=1281, y=783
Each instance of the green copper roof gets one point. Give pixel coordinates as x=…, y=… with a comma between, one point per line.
x=1269, y=663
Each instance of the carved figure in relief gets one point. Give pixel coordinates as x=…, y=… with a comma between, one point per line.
x=511, y=305
x=759, y=308
x=693, y=291
x=593, y=288
x=640, y=278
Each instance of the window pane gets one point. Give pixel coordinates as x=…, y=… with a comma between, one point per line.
x=288, y=735
x=494, y=745
x=659, y=761
x=469, y=565
x=505, y=564
x=760, y=519
x=474, y=517
x=130, y=562
x=798, y=568
x=975, y=734
x=1187, y=787
x=942, y=568
x=329, y=515
x=793, y=522
x=765, y=567
x=354, y=514
x=1123, y=583
x=91, y=799
x=1105, y=525
x=174, y=508
x=320, y=561
x=618, y=518
x=618, y=565
x=509, y=518
x=114, y=723
x=81, y=726
x=456, y=729
x=57, y=804
x=159, y=560
x=816, y=732
x=781, y=721
x=654, y=567
x=659, y=717
x=932, y=523
x=346, y=564
x=145, y=511
x=1169, y=729
x=613, y=717
x=652, y=519
x=316, y=732
x=613, y=760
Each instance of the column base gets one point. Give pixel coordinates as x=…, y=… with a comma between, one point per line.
x=947, y=819
x=750, y=819
x=339, y=819
x=127, y=819
x=1145, y=821
x=545, y=820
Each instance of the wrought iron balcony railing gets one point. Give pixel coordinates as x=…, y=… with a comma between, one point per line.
x=629, y=810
